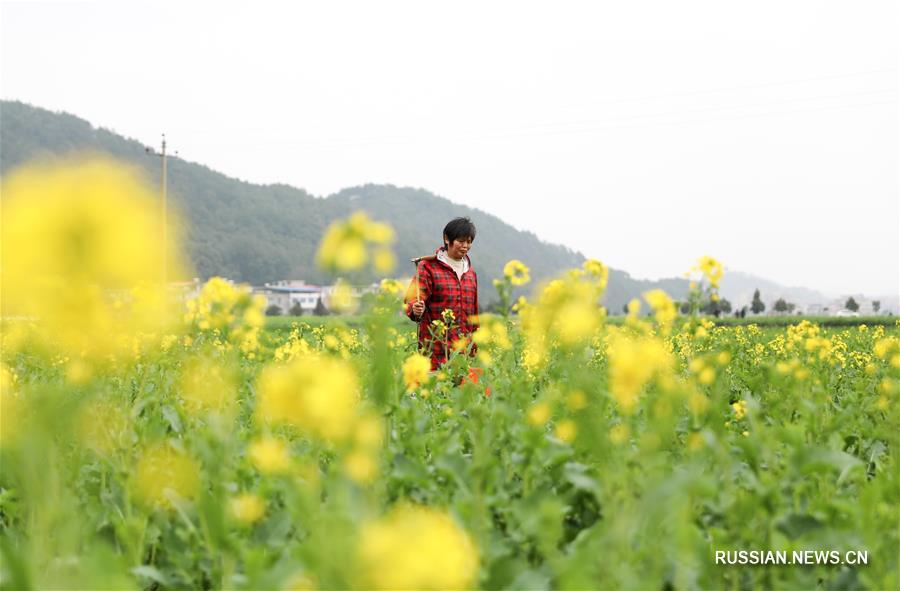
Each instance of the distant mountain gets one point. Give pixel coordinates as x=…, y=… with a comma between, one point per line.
x=262, y=233
x=738, y=288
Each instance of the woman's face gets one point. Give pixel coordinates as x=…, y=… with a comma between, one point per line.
x=459, y=247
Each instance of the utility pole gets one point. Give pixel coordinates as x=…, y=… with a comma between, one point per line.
x=165, y=217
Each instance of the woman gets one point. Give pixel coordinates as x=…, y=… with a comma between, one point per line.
x=447, y=284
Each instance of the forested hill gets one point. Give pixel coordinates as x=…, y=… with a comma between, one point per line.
x=261, y=233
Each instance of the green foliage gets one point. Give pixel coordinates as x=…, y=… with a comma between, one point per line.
x=852, y=305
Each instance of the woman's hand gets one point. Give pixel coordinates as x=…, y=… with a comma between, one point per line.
x=418, y=308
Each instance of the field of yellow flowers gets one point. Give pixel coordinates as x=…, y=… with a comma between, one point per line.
x=153, y=443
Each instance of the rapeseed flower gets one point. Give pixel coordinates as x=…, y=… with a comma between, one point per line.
x=566, y=430
x=632, y=364
x=231, y=310
x=316, y=395
x=663, y=307
x=269, y=455
x=712, y=270
x=345, y=246
x=416, y=548
x=598, y=270
x=415, y=371
x=78, y=238
x=248, y=508
x=163, y=475
x=538, y=414
x=516, y=272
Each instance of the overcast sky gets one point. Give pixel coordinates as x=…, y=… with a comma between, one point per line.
x=644, y=134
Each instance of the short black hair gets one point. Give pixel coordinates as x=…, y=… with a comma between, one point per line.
x=459, y=228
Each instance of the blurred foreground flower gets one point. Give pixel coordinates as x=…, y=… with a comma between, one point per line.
x=516, y=272
x=632, y=364
x=415, y=371
x=345, y=246
x=82, y=253
x=416, y=548
x=163, y=474
x=711, y=269
x=248, y=508
x=317, y=395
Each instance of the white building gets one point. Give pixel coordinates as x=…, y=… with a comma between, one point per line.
x=291, y=292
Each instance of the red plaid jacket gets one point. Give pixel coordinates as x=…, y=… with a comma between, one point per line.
x=441, y=289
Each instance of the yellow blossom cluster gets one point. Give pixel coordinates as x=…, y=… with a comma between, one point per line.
x=78, y=240
x=164, y=475
x=663, y=308
x=317, y=395
x=598, y=271
x=346, y=245
x=416, y=548
x=248, y=508
x=415, y=371
x=294, y=346
x=633, y=362
x=394, y=287
x=517, y=273
x=230, y=311
x=567, y=312
x=711, y=269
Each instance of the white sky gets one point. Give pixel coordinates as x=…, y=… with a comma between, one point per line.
x=644, y=134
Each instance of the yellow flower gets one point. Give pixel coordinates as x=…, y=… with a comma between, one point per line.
x=538, y=414
x=711, y=269
x=633, y=363
x=566, y=431
x=416, y=548
x=740, y=409
x=598, y=270
x=619, y=434
x=415, y=371
x=345, y=244
x=361, y=466
x=269, y=455
x=516, y=272
x=384, y=260
x=231, y=310
x=707, y=376
x=77, y=238
x=78, y=372
x=634, y=308
x=163, y=474
x=392, y=286
x=663, y=306
x=248, y=508
x=317, y=395
x=576, y=400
